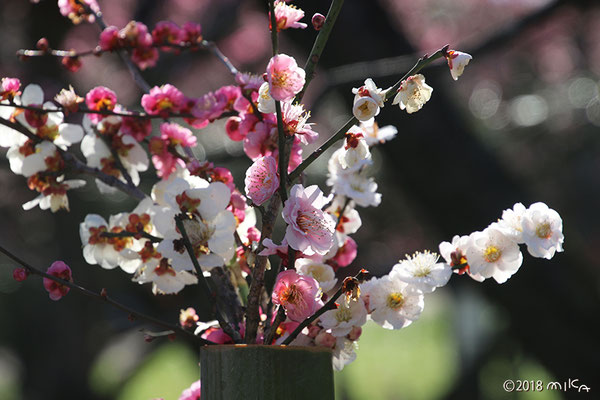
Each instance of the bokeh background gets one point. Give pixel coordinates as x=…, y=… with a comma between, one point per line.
x=522, y=125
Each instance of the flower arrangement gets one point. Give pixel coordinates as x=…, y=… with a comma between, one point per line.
x=196, y=224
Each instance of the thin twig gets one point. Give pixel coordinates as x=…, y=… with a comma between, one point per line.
x=125, y=234
x=330, y=305
x=421, y=63
x=341, y=216
x=279, y=318
x=104, y=298
x=76, y=165
x=203, y=282
x=319, y=45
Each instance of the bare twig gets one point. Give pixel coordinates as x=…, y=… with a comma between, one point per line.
x=105, y=298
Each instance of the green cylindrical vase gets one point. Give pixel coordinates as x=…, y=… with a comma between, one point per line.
x=255, y=372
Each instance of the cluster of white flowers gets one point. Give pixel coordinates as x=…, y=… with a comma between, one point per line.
x=39, y=160
x=147, y=243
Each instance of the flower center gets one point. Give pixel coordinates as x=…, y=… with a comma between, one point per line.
x=544, y=231
x=343, y=314
x=316, y=272
x=421, y=272
x=291, y=295
x=492, y=254
x=310, y=221
x=395, y=300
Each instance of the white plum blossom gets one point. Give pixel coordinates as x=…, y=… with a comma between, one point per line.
x=423, y=270
x=210, y=227
x=266, y=104
x=493, y=254
x=344, y=352
x=373, y=134
x=341, y=320
x=355, y=150
x=392, y=303
x=131, y=155
x=455, y=255
x=511, y=222
x=457, y=61
x=365, y=108
x=26, y=162
x=323, y=273
x=368, y=100
x=56, y=198
x=542, y=231
x=350, y=221
x=413, y=93
x=361, y=189
x=165, y=280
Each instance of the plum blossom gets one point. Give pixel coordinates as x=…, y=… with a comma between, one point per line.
x=413, y=93
x=192, y=393
x=373, y=134
x=9, y=88
x=294, y=122
x=368, y=100
x=166, y=32
x=457, y=61
x=100, y=98
x=310, y=229
x=60, y=270
x=511, y=222
x=542, y=231
x=455, y=255
x=98, y=155
x=423, y=270
x=171, y=135
x=493, y=254
x=68, y=99
x=341, y=320
x=262, y=180
x=285, y=78
x=323, y=273
x=392, y=303
x=164, y=278
x=298, y=294
x=163, y=100
x=356, y=150
x=344, y=352
x=209, y=226
x=287, y=16
x=266, y=104
x=350, y=221
x=76, y=11
x=361, y=189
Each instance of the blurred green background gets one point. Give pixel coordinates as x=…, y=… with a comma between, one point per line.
x=522, y=125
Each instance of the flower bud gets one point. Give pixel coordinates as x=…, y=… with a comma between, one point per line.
x=20, y=274
x=42, y=44
x=317, y=21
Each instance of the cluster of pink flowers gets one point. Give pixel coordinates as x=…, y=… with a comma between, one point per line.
x=162, y=148
x=143, y=45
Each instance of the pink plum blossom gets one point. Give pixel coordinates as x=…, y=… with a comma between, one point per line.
x=10, y=88
x=294, y=120
x=176, y=134
x=139, y=128
x=191, y=33
x=163, y=100
x=285, y=78
x=60, y=270
x=262, y=180
x=287, y=16
x=166, y=32
x=144, y=57
x=310, y=229
x=135, y=34
x=100, y=98
x=171, y=135
x=345, y=255
x=192, y=393
x=298, y=294
x=109, y=38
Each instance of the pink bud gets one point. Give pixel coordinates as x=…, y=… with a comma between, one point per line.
x=42, y=44
x=355, y=333
x=62, y=271
x=317, y=21
x=313, y=331
x=20, y=274
x=325, y=339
